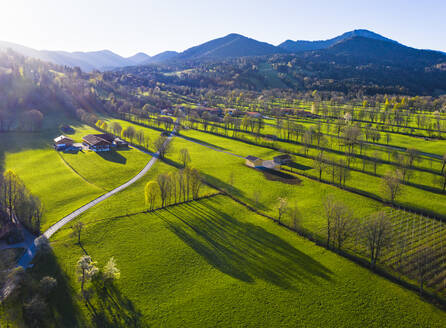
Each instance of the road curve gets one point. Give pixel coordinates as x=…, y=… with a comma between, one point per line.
x=28, y=256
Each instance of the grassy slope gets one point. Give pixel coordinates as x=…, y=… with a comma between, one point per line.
x=106, y=170
x=60, y=189
x=253, y=272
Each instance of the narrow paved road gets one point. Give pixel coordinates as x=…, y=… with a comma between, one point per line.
x=28, y=256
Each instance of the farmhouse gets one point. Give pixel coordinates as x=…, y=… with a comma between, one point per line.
x=98, y=142
x=62, y=142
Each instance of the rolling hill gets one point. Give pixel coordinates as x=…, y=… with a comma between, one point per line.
x=230, y=46
x=301, y=45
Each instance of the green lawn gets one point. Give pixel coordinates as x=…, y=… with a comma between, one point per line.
x=214, y=263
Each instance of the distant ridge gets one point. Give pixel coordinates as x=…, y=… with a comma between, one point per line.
x=87, y=61
x=301, y=45
x=230, y=46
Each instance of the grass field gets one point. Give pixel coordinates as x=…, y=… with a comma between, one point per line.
x=176, y=262
x=106, y=170
x=60, y=188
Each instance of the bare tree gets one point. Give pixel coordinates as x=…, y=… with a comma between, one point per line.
x=320, y=164
x=342, y=224
x=391, y=185
x=295, y=217
x=162, y=146
x=413, y=155
x=196, y=183
x=164, y=186
x=116, y=128
x=184, y=157
x=77, y=230
x=376, y=159
x=377, y=234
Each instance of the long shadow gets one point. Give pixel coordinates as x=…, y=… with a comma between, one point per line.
x=299, y=166
x=112, y=309
x=280, y=176
x=203, y=142
x=232, y=190
x=112, y=156
x=242, y=250
x=63, y=308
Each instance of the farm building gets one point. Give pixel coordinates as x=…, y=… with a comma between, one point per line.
x=253, y=161
x=103, y=142
x=98, y=142
x=254, y=114
x=62, y=142
x=119, y=143
x=282, y=159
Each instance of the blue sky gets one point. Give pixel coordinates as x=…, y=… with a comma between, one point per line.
x=130, y=26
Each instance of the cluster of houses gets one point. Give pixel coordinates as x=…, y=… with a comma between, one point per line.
x=274, y=164
x=94, y=142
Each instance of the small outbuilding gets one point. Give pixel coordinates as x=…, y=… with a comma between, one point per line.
x=62, y=142
x=119, y=143
x=271, y=164
x=253, y=161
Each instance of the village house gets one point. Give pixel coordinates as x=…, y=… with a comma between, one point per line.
x=103, y=142
x=62, y=142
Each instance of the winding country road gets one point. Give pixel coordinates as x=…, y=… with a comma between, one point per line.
x=30, y=252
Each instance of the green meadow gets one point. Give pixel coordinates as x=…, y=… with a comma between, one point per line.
x=214, y=263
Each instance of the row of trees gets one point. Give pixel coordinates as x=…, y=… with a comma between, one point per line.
x=375, y=234
x=173, y=187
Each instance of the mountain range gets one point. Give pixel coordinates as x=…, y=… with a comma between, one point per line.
x=230, y=46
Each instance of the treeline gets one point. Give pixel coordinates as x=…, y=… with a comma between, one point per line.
x=18, y=206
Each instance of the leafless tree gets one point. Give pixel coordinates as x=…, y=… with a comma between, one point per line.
x=391, y=185
x=164, y=185
x=184, y=157
x=77, y=230
x=377, y=235
x=162, y=146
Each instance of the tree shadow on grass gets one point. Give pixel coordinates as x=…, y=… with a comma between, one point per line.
x=63, y=308
x=242, y=250
x=203, y=142
x=232, y=190
x=112, y=309
x=112, y=156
